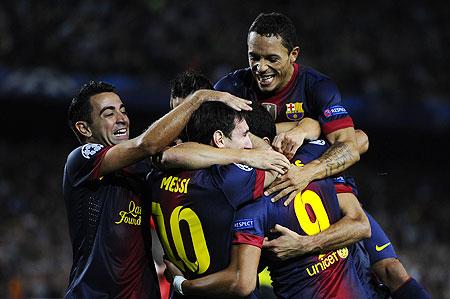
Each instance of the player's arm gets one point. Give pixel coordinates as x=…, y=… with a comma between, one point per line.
x=163, y=131
x=270, y=175
x=192, y=155
x=237, y=280
x=362, y=140
x=342, y=153
x=352, y=227
x=290, y=136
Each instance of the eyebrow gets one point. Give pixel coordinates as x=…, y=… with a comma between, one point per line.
x=111, y=108
x=265, y=56
x=106, y=108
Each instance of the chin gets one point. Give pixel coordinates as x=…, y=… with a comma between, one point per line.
x=266, y=89
x=120, y=140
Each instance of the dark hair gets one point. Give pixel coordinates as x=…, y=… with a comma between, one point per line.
x=276, y=24
x=80, y=107
x=260, y=122
x=210, y=117
x=188, y=82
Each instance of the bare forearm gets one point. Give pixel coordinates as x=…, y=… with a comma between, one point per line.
x=339, y=157
x=166, y=129
x=217, y=285
x=285, y=126
x=193, y=155
x=259, y=143
x=310, y=128
x=343, y=233
x=237, y=280
x=307, y=127
x=153, y=140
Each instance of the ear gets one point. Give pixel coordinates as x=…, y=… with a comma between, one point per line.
x=83, y=128
x=294, y=54
x=218, y=139
x=266, y=139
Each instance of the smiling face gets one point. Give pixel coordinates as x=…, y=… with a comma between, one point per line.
x=110, y=124
x=271, y=62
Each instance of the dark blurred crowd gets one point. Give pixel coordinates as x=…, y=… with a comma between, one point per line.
x=391, y=52
x=394, y=49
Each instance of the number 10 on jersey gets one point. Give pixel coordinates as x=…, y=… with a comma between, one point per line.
x=202, y=257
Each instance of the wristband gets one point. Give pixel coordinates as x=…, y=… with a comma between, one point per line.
x=177, y=281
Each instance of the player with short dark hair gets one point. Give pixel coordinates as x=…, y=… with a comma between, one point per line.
x=184, y=84
x=291, y=92
x=103, y=185
x=194, y=210
x=333, y=274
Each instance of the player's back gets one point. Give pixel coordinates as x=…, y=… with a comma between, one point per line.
x=329, y=275
x=194, y=212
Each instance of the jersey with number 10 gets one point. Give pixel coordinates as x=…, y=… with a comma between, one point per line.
x=194, y=210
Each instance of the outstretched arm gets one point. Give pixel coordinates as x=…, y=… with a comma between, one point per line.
x=163, y=131
x=352, y=227
x=237, y=280
x=192, y=155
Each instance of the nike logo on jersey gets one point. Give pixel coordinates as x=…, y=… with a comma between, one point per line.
x=379, y=248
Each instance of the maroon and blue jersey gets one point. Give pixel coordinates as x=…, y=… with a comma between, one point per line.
x=107, y=229
x=308, y=94
x=331, y=275
x=194, y=210
x=378, y=246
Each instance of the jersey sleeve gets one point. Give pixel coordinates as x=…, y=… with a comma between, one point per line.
x=249, y=224
x=241, y=184
x=83, y=164
x=345, y=184
x=333, y=115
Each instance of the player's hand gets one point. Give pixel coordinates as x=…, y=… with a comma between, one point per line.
x=291, y=183
x=266, y=159
x=220, y=96
x=288, y=245
x=171, y=271
x=288, y=143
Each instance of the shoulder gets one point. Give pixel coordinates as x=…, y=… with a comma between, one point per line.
x=312, y=74
x=86, y=154
x=234, y=80
x=232, y=172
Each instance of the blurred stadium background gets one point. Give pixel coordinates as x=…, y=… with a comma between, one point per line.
x=387, y=57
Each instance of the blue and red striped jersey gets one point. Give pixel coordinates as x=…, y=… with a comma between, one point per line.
x=309, y=93
x=335, y=274
x=106, y=224
x=194, y=210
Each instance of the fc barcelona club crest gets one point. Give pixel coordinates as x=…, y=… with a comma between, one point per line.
x=272, y=108
x=294, y=111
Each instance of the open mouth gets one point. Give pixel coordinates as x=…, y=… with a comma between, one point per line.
x=265, y=80
x=121, y=133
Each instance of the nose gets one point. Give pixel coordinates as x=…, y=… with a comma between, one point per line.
x=261, y=66
x=121, y=117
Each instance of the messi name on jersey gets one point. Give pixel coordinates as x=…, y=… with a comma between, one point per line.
x=294, y=111
x=175, y=184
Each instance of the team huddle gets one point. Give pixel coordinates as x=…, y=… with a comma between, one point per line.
x=242, y=175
